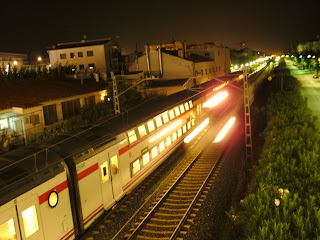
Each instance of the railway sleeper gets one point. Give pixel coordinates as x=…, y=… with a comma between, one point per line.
x=150, y=238
x=177, y=204
x=157, y=232
x=187, y=188
x=169, y=215
x=184, y=192
x=165, y=220
x=174, y=209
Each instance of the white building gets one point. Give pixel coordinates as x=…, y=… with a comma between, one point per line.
x=101, y=55
x=10, y=60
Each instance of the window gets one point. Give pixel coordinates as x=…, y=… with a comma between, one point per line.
x=63, y=56
x=104, y=171
x=142, y=130
x=151, y=126
x=70, y=108
x=171, y=114
x=192, y=122
x=158, y=121
x=50, y=114
x=206, y=71
x=199, y=109
x=72, y=55
x=190, y=104
x=33, y=119
x=7, y=230
x=4, y=124
x=174, y=137
x=135, y=167
x=81, y=66
x=89, y=53
x=201, y=72
x=161, y=146
x=30, y=221
x=80, y=54
x=168, y=141
x=145, y=158
x=189, y=125
x=209, y=70
x=182, y=108
x=91, y=65
x=90, y=101
x=179, y=132
x=184, y=129
x=186, y=105
x=114, y=164
x=177, y=112
x=154, y=152
x=132, y=136
x=165, y=117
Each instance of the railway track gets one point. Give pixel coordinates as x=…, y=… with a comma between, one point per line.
x=170, y=212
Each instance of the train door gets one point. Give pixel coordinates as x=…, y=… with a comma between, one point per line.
x=29, y=218
x=9, y=228
x=115, y=174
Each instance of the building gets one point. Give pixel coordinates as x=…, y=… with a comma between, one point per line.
x=180, y=61
x=38, y=103
x=313, y=46
x=10, y=60
x=101, y=56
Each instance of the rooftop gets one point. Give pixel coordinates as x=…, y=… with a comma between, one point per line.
x=32, y=92
x=81, y=43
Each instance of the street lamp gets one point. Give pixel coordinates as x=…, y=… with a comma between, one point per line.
x=39, y=59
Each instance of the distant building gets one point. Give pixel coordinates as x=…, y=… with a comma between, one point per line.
x=101, y=55
x=10, y=60
x=38, y=103
x=313, y=46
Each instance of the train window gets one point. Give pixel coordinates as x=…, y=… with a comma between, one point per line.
x=186, y=105
x=190, y=104
x=7, y=230
x=104, y=171
x=184, y=129
x=132, y=136
x=182, y=108
x=189, y=125
x=171, y=114
x=154, y=152
x=114, y=164
x=168, y=141
x=142, y=130
x=199, y=109
x=165, y=117
x=145, y=158
x=161, y=146
x=135, y=166
x=158, y=121
x=174, y=136
x=177, y=112
x=30, y=221
x=192, y=122
x=179, y=132
x=151, y=126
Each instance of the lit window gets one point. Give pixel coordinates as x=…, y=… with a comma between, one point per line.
x=154, y=152
x=135, y=166
x=142, y=130
x=30, y=221
x=158, y=121
x=179, y=132
x=184, y=129
x=165, y=117
x=145, y=158
x=182, y=108
x=189, y=125
x=190, y=104
x=199, y=109
x=171, y=114
x=174, y=136
x=168, y=141
x=192, y=122
x=91, y=65
x=177, y=112
x=104, y=171
x=4, y=123
x=114, y=164
x=151, y=126
x=7, y=230
x=161, y=146
x=132, y=136
x=186, y=105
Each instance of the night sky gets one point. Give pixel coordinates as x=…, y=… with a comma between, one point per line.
x=269, y=26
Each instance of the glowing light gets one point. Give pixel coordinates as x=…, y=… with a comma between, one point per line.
x=30, y=221
x=220, y=86
x=15, y=63
x=39, y=59
x=309, y=56
x=300, y=56
x=215, y=100
x=167, y=129
x=196, y=131
x=102, y=96
x=225, y=130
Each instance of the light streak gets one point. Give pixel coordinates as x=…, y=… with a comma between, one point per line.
x=215, y=100
x=164, y=131
x=195, y=132
x=224, y=130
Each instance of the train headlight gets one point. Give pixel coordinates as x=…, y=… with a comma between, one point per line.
x=53, y=199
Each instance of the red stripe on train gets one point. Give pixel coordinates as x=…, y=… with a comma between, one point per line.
x=93, y=214
x=59, y=188
x=88, y=171
x=64, y=237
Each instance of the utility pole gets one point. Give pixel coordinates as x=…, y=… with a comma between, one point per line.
x=247, y=118
x=115, y=94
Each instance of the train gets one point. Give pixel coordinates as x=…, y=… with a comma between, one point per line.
x=58, y=188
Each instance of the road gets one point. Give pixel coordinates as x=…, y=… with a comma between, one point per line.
x=310, y=88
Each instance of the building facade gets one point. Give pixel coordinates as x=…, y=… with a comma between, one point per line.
x=10, y=60
x=101, y=56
